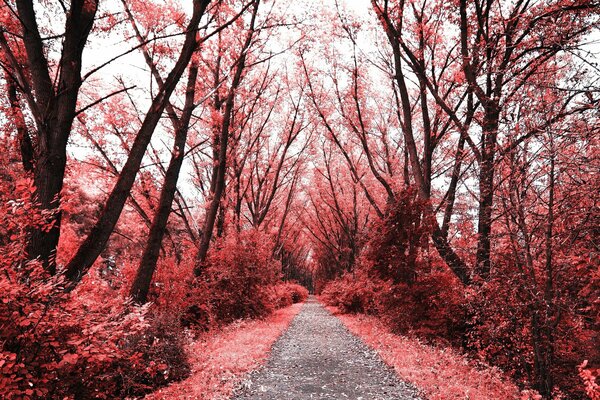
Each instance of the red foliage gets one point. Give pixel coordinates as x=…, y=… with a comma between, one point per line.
x=90, y=343
x=239, y=271
x=394, y=250
x=394, y=280
x=508, y=323
x=240, y=281
x=589, y=377
x=353, y=293
x=288, y=293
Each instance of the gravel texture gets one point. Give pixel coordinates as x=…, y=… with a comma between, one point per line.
x=317, y=358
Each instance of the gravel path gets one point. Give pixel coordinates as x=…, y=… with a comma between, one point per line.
x=317, y=358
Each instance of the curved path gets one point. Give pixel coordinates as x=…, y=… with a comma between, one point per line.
x=317, y=358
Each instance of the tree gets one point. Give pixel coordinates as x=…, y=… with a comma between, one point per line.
x=51, y=102
x=222, y=127
x=499, y=55
x=100, y=233
x=141, y=284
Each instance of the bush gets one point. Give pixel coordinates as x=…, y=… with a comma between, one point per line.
x=353, y=293
x=59, y=345
x=299, y=292
x=281, y=297
x=431, y=307
x=239, y=272
x=159, y=355
x=287, y=293
x=187, y=302
x=393, y=280
x=589, y=378
x=81, y=342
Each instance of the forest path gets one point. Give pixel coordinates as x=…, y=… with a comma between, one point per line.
x=317, y=358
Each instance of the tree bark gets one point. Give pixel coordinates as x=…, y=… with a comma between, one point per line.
x=53, y=109
x=486, y=191
x=95, y=242
x=219, y=178
x=141, y=284
x=23, y=139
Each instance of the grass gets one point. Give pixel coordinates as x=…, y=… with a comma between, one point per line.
x=439, y=372
x=220, y=360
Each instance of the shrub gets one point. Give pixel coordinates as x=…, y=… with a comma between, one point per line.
x=58, y=345
x=393, y=280
x=394, y=250
x=299, y=292
x=589, y=377
x=159, y=355
x=281, y=296
x=287, y=293
x=353, y=293
x=187, y=302
x=239, y=271
x=55, y=336
x=431, y=307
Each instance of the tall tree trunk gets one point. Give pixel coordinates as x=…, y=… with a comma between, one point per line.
x=428, y=146
x=143, y=277
x=53, y=110
x=451, y=197
x=95, y=242
x=172, y=117
x=546, y=379
x=486, y=191
x=542, y=355
x=48, y=180
x=24, y=143
x=219, y=179
x=221, y=219
x=549, y=286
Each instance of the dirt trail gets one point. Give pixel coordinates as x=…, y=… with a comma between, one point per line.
x=317, y=358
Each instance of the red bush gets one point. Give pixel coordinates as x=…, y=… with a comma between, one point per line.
x=394, y=250
x=280, y=296
x=59, y=345
x=589, y=378
x=392, y=279
x=432, y=307
x=287, y=293
x=353, y=293
x=239, y=271
x=299, y=292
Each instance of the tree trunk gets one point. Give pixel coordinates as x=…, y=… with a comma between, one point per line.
x=53, y=110
x=219, y=178
x=486, y=191
x=95, y=242
x=23, y=139
x=48, y=180
x=143, y=279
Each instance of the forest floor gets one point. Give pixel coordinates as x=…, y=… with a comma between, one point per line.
x=308, y=351
x=318, y=358
x=439, y=371
x=220, y=360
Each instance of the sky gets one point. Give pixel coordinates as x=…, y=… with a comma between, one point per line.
x=133, y=70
